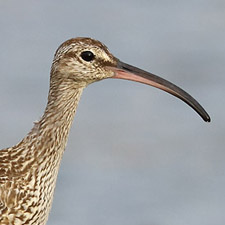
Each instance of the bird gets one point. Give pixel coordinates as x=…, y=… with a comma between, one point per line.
x=28, y=170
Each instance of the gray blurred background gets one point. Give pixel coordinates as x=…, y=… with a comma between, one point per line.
x=136, y=155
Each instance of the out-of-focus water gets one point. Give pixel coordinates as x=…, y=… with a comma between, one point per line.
x=135, y=156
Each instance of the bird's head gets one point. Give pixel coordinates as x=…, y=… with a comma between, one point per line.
x=81, y=61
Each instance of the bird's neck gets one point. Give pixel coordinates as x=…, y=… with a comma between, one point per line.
x=44, y=145
x=53, y=128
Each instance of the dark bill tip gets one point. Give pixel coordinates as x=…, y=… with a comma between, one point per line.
x=128, y=72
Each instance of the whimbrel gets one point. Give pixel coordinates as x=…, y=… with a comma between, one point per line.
x=28, y=170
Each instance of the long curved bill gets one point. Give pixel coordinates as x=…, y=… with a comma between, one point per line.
x=128, y=72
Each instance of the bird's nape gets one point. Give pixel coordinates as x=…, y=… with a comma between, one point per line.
x=127, y=72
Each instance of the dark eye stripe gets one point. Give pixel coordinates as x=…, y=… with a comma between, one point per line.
x=87, y=56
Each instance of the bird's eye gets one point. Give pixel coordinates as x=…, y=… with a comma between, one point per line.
x=87, y=56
